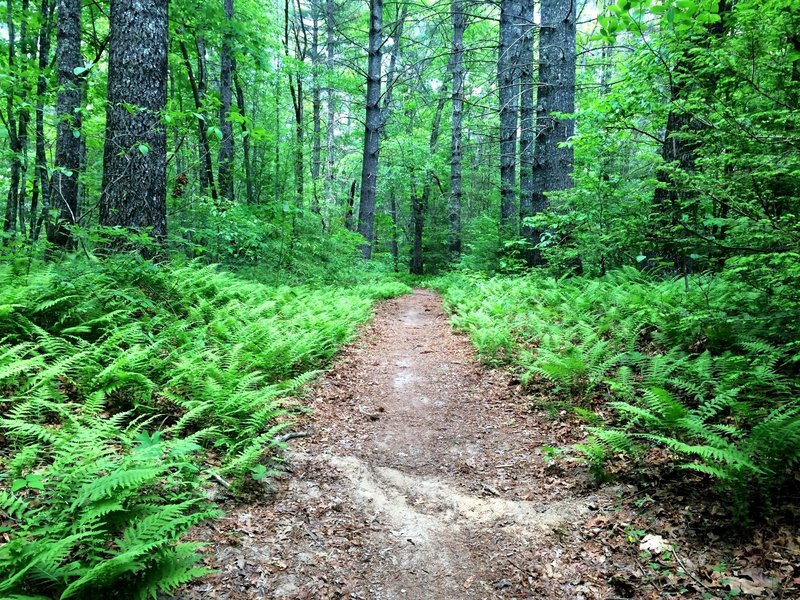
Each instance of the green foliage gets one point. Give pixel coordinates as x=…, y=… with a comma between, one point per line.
x=697, y=371
x=118, y=378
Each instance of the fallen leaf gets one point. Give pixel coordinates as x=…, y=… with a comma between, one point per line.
x=653, y=543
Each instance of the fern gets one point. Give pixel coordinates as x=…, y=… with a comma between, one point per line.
x=118, y=377
x=693, y=372
x=11, y=505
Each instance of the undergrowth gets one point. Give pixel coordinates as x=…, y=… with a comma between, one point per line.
x=701, y=372
x=125, y=385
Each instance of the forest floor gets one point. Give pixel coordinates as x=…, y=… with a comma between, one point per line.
x=426, y=475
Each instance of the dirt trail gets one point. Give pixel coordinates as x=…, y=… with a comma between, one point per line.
x=422, y=478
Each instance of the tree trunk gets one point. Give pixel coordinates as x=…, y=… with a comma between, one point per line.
x=134, y=159
x=552, y=159
x=10, y=220
x=372, y=128
x=42, y=182
x=248, y=166
x=299, y=144
x=277, y=187
x=394, y=245
x=457, y=70
x=68, y=160
x=296, y=89
x=225, y=160
x=419, y=205
x=17, y=119
x=206, y=168
x=316, y=95
x=681, y=144
x=351, y=200
x=28, y=47
x=417, y=266
x=507, y=77
x=331, y=116
x=391, y=73
x=526, y=117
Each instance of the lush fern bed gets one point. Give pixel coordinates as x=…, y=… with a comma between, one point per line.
x=118, y=378
x=703, y=367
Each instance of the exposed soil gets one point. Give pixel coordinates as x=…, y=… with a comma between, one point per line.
x=426, y=475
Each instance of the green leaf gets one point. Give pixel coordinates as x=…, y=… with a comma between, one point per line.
x=34, y=482
x=18, y=485
x=259, y=472
x=144, y=149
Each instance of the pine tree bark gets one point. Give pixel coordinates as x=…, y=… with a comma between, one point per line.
x=526, y=118
x=316, y=102
x=330, y=42
x=135, y=152
x=225, y=159
x=552, y=158
x=508, y=76
x=372, y=129
x=457, y=72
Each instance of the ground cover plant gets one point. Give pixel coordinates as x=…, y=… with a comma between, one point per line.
x=126, y=385
x=688, y=366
